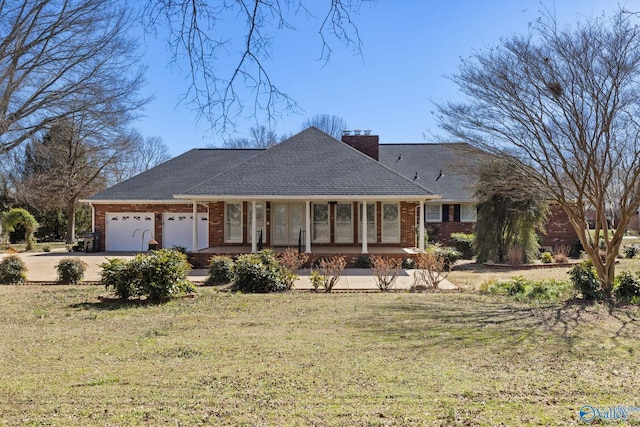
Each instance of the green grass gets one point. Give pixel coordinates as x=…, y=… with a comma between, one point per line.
x=309, y=359
x=38, y=247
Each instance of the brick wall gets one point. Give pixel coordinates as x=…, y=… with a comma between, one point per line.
x=559, y=231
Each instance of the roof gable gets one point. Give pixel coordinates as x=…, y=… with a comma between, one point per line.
x=311, y=163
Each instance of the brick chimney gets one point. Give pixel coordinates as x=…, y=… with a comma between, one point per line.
x=367, y=143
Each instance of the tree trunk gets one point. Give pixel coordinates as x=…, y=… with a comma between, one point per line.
x=71, y=222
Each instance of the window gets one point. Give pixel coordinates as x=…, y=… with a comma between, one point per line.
x=260, y=221
x=432, y=213
x=344, y=223
x=321, y=233
x=468, y=213
x=233, y=222
x=371, y=223
x=390, y=223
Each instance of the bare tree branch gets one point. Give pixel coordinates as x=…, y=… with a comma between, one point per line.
x=201, y=32
x=56, y=57
x=329, y=123
x=565, y=103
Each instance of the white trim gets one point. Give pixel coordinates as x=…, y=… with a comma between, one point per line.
x=138, y=202
x=307, y=225
x=321, y=197
x=421, y=228
x=364, y=229
x=194, y=228
x=93, y=219
x=254, y=227
x=260, y=205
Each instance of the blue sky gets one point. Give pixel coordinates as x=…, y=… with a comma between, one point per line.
x=408, y=52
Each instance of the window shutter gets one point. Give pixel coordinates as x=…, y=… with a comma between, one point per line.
x=456, y=213
x=445, y=213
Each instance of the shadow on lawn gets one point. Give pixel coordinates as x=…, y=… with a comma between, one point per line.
x=477, y=320
x=112, y=304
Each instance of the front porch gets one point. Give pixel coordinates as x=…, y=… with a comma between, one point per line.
x=350, y=253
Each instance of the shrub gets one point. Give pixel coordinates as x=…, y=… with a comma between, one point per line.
x=12, y=270
x=408, y=264
x=316, y=280
x=330, y=270
x=631, y=251
x=292, y=261
x=430, y=271
x=585, y=280
x=220, y=270
x=386, y=271
x=546, y=258
x=260, y=273
x=117, y=275
x=528, y=290
x=363, y=261
x=46, y=248
x=71, y=270
x=448, y=254
x=627, y=287
x=561, y=253
x=464, y=243
x=560, y=258
x=159, y=275
x=164, y=273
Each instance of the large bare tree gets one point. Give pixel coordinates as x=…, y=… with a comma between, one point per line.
x=69, y=162
x=59, y=58
x=210, y=33
x=329, y=123
x=259, y=137
x=565, y=102
x=143, y=153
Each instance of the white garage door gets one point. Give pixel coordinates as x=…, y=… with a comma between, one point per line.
x=129, y=231
x=177, y=230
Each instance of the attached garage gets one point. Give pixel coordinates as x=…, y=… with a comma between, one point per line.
x=129, y=231
x=177, y=230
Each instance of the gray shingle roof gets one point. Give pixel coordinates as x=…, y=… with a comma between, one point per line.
x=311, y=163
x=175, y=175
x=427, y=160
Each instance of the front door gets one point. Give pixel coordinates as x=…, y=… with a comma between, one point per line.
x=287, y=219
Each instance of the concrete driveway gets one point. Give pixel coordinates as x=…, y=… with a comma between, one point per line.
x=41, y=267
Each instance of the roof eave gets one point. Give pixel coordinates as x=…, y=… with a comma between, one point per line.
x=198, y=197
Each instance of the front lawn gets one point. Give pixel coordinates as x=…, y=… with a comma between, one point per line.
x=309, y=359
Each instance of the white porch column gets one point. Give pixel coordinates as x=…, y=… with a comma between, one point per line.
x=421, y=227
x=365, y=248
x=254, y=226
x=307, y=235
x=194, y=235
